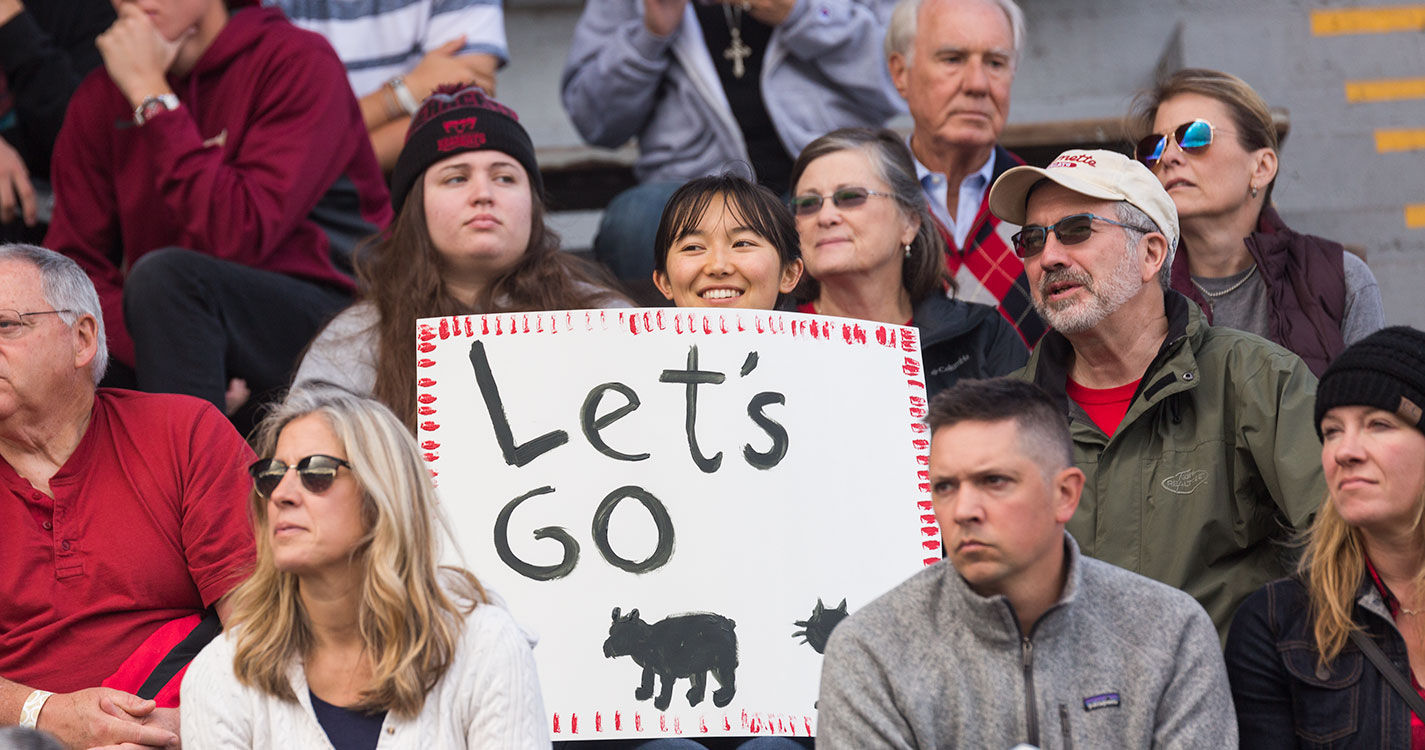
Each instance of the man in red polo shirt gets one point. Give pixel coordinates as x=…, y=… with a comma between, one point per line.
x=121, y=512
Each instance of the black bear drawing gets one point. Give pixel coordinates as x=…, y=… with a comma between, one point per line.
x=817, y=628
x=681, y=646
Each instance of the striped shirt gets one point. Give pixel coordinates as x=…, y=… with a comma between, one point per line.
x=378, y=39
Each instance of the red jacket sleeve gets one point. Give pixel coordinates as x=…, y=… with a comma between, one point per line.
x=85, y=222
x=302, y=134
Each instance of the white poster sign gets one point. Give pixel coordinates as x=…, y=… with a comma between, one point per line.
x=679, y=501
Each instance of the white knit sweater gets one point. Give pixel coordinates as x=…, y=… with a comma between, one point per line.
x=488, y=698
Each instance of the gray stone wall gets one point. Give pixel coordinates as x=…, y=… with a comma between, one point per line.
x=1086, y=59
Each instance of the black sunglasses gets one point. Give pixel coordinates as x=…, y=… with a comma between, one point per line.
x=317, y=473
x=807, y=205
x=1071, y=230
x=1192, y=137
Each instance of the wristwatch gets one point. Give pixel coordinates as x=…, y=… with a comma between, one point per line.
x=403, y=95
x=152, y=106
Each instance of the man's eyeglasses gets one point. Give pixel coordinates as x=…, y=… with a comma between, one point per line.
x=13, y=324
x=1071, y=230
x=810, y=204
x=317, y=473
x=1191, y=137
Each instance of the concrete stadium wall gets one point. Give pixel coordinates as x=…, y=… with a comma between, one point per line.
x=1086, y=58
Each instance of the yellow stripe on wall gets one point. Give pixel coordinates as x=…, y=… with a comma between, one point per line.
x=1385, y=90
x=1415, y=216
x=1399, y=140
x=1377, y=20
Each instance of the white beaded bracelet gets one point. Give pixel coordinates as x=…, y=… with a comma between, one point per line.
x=30, y=713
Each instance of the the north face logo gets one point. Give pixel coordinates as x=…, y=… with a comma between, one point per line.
x=1184, y=482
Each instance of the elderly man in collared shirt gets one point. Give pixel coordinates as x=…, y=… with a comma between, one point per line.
x=954, y=62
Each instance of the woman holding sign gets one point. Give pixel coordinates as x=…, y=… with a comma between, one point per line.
x=872, y=252
x=346, y=633
x=469, y=238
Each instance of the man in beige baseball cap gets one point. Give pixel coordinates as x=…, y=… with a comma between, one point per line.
x=1198, y=442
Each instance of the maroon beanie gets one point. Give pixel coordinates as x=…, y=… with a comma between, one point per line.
x=454, y=119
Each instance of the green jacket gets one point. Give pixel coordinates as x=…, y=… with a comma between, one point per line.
x=1215, y=463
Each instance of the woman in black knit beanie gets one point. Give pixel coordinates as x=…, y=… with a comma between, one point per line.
x=1299, y=653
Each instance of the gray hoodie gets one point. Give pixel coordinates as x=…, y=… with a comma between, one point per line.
x=824, y=69
x=1120, y=661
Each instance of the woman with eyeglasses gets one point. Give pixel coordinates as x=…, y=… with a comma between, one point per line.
x=347, y=633
x=872, y=251
x=1335, y=656
x=725, y=242
x=1210, y=140
x=469, y=237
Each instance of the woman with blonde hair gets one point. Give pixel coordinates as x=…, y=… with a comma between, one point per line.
x=1211, y=141
x=1334, y=657
x=347, y=632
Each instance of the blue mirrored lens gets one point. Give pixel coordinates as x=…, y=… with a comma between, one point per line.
x=1196, y=134
x=1157, y=151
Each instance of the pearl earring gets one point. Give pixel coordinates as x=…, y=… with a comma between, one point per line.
x=1254, y=191
x=907, y=250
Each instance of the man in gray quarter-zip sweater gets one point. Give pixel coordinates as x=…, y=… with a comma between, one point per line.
x=1020, y=639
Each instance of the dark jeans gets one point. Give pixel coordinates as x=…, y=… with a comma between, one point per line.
x=630, y=222
x=198, y=321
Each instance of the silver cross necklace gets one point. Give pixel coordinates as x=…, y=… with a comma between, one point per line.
x=736, y=51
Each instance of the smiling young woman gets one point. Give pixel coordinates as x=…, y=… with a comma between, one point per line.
x=725, y=242
x=469, y=238
x=1209, y=138
x=1298, y=671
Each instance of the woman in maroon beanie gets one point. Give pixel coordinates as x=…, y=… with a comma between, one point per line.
x=469, y=238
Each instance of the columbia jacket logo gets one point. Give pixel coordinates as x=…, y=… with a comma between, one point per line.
x=1184, y=482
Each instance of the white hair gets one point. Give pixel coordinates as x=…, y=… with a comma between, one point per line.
x=900, y=32
x=65, y=286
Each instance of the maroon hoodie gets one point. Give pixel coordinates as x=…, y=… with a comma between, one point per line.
x=268, y=122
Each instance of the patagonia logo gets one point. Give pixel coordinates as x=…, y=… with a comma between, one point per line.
x=1184, y=482
x=1107, y=700
x=464, y=140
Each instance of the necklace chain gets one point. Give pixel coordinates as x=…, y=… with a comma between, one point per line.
x=1229, y=289
x=736, y=51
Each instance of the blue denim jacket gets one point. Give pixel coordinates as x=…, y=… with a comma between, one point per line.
x=1285, y=700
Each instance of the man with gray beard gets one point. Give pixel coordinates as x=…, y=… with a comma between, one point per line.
x=1197, y=441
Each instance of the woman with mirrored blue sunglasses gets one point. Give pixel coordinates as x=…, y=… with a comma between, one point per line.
x=1212, y=142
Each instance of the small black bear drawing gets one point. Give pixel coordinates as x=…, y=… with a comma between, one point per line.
x=818, y=627
x=690, y=645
